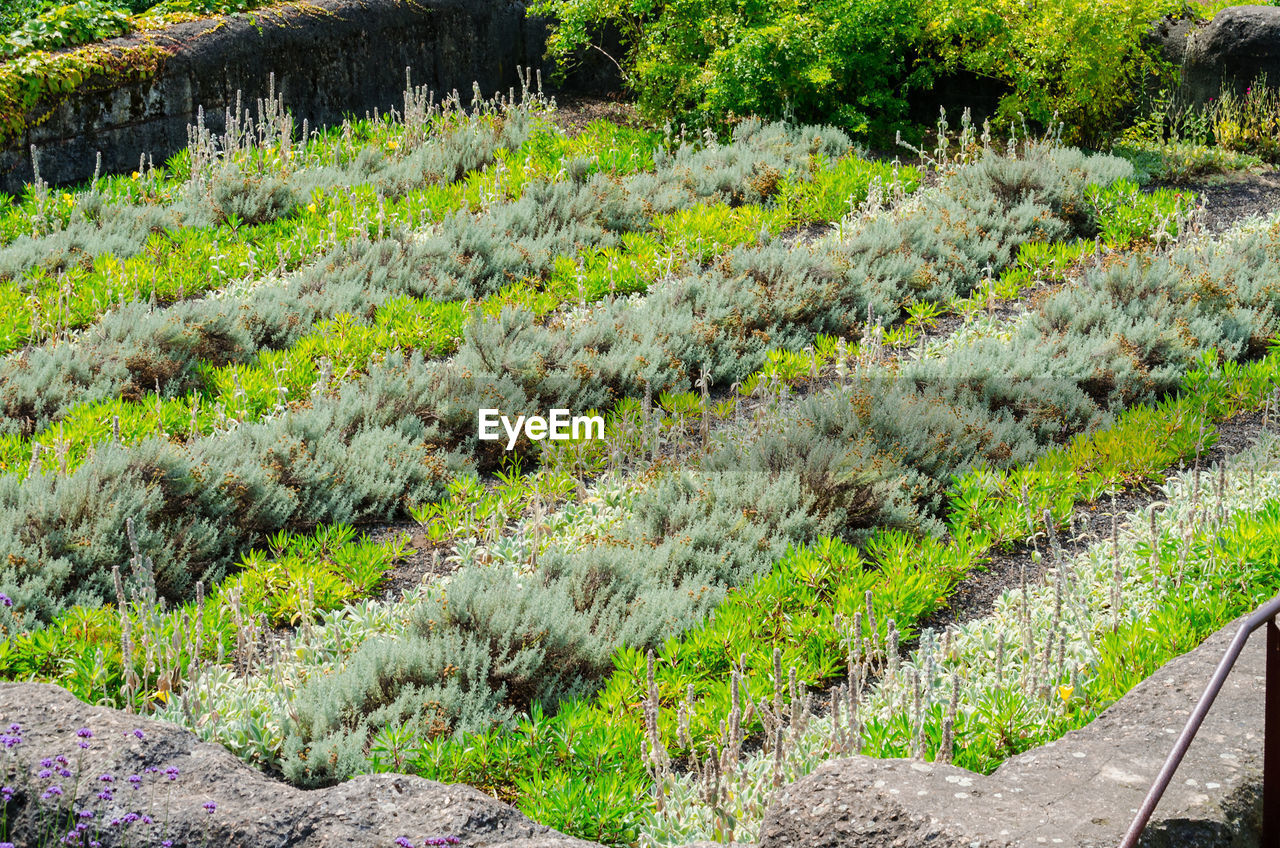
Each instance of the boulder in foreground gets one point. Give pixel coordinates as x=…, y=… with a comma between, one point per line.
x=197, y=793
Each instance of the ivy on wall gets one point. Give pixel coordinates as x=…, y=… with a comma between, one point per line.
x=34, y=85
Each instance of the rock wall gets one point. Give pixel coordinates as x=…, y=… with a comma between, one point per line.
x=330, y=58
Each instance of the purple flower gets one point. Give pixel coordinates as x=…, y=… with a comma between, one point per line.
x=210, y=806
x=106, y=778
x=106, y=795
x=130, y=818
x=53, y=791
x=62, y=759
x=5, y=600
x=146, y=819
x=15, y=728
x=6, y=795
x=6, y=845
x=84, y=733
x=137, y=731
x=47, y=762
x=404, y=842
x=87, y=814
x=167, y=843
x=64, y=772
x=171, y=772
x=134, y=780
x=11, y=741
x=44, y=774
x=84, y=744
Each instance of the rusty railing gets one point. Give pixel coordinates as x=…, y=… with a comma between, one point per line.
x=1264, y=615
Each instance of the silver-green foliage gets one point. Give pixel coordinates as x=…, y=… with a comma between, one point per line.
x=139, y=348
x=505, y=639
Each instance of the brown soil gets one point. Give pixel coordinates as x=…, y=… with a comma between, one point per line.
x=976, y=596
x=574, y=112
x=1229, y=198
x=423, y=558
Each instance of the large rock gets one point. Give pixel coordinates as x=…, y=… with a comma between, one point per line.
x=252, y=810
x=1170, y=36
x=1081, y=791
x=1238, y=45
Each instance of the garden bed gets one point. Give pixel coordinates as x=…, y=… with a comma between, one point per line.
x=833, y=389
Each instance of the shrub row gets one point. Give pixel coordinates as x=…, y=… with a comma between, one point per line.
x=470, y=508
x=882, y=454
x=137, y=349
x=741, y=671
x=1168, y=576
x=344, y=345
x=284, y=472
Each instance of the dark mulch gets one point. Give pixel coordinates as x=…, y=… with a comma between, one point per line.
x=423, y=558
x=574, y=112
x=976, y=596
x=1231, y=197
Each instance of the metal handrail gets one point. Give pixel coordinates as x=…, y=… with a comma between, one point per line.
x=1263, y=615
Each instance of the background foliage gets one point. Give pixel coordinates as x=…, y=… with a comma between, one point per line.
x=857, y=62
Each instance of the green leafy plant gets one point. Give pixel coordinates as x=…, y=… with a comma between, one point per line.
x=66, y=25
x=850, y=62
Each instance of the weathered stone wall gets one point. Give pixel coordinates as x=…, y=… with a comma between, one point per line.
x=330, y=58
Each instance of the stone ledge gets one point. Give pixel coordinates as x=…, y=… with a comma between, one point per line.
x=1231, y=51
x=253, y=811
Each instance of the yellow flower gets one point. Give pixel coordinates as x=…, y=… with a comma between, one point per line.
x=1065, y=693
x=134, y=175
x=392, y=145
x=311, y=207
x=66, y=198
